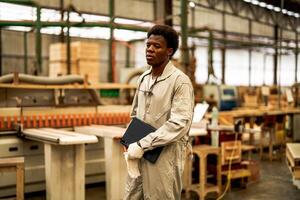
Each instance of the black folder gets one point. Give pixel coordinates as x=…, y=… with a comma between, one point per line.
x=136, y=130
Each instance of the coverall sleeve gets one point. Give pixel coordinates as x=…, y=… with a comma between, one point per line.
x=178, y=124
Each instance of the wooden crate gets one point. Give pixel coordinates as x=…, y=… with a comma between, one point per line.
x=58, y=52
x=88, y=67
x=79, y=50
x=85, y=51
x=293, y=159
x=57, y=68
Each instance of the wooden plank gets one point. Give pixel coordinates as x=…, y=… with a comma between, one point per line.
x=59, y=136
x=70, y=86
x=11, y=161
x=102, y=131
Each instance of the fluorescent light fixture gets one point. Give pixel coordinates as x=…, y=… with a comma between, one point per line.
x=277, y=9
x=290, y=13
x=262, y=4
x=269, y=6
x=284, y=11
x=248, y=1
x=254, y=2
x=192, y=4
x=296, y=15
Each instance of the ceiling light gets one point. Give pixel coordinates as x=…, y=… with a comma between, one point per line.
x=284, y=11
x=262, y=4
x=248, y=1
x=192, y=4
x=277, y=9
x=255, y=2
x=269, y=6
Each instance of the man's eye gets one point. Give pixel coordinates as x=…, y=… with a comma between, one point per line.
x=156, y=46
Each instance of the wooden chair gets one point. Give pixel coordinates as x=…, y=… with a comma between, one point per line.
x=231, y=152
x=15, y=164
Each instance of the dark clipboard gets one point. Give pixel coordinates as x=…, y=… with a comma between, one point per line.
x=137, y=130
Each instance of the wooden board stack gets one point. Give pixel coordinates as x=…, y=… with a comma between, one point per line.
x=84, y=60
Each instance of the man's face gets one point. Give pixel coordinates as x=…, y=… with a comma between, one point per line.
x=156, y=50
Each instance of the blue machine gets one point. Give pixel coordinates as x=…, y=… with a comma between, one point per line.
x=226, y=97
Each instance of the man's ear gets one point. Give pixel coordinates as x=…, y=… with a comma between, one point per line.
x=170, y=51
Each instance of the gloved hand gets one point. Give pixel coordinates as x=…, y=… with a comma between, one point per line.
x=132, y=166
x=135, y=151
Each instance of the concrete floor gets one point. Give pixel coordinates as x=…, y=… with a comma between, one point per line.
x=275, y=184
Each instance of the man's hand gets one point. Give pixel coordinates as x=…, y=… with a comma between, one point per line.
x=135, y=151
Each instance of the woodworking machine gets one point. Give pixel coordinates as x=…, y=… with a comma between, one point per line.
x=63, y=102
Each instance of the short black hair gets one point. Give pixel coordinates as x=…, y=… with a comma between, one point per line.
x=170, y=35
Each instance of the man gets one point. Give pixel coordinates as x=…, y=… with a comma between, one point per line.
x=165, y=100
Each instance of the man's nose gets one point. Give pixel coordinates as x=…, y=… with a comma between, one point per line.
x=150, y=48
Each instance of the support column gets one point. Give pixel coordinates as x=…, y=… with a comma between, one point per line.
x=223, y=49
x=38, y=41
x=68, y=43
x=184, y=33
x=275, y=57
x=296, y=57
x=250, y=50
x=25, y=53
x=163, y=11
x=111, y=56
x=1, y=51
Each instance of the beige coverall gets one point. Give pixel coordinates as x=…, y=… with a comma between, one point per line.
x=168, y=106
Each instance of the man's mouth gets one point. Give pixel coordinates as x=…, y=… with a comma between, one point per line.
x=149, y=56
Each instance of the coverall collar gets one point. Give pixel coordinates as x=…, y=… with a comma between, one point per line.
x=168, y=71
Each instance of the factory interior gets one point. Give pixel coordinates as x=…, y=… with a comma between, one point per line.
x=68, y=76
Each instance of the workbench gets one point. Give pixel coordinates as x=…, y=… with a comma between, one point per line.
x=64, y=161
x=115, y=165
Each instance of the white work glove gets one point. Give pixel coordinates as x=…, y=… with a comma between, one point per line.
x=132, y=166
x=135, y=151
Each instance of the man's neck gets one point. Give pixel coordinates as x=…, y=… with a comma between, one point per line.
x=158, y=70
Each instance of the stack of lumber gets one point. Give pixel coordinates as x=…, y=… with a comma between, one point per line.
x=84, y=60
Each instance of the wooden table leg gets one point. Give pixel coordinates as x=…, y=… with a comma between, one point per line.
x=20, y=181
x=115, y=169
x=202, y=176
x=65, y=172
